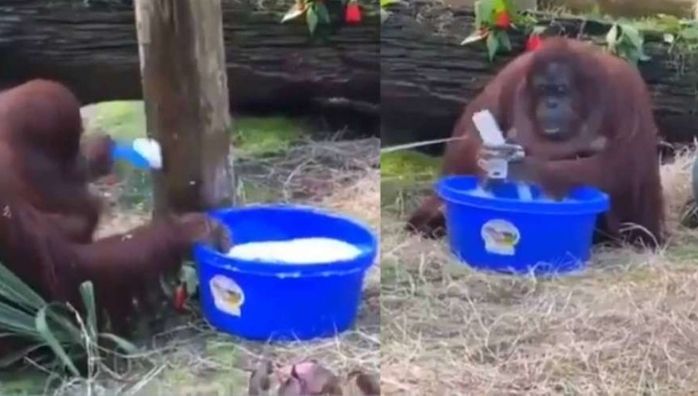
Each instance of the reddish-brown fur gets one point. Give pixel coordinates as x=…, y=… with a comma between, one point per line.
x=619, y=108
x=48, y=215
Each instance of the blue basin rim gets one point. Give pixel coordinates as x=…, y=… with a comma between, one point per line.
x=586, y=200
x=365, y=259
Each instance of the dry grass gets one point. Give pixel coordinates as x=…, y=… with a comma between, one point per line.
x=338, y=175
x=627, y=326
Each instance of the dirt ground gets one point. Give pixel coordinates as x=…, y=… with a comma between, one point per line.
x=627, y=326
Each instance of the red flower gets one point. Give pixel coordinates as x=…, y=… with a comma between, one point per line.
x=180, y=297
x=502, y=20
x=533, y=42
x=353, y=13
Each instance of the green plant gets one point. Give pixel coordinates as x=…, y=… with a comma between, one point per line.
x=26, y=315
x=384, y=4
x=626, y=41
x=493, y=20
x=678, y=33
x=317, y=13
x=186, y=278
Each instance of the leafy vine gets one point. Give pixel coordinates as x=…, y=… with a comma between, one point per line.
x=317, y=13
x=495, y=18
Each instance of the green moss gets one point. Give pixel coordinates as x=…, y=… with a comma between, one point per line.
x=265, y=135
x=402, y=174
x=408, y=165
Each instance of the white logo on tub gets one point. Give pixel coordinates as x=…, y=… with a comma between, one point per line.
x=500, y=236
x=227, y=295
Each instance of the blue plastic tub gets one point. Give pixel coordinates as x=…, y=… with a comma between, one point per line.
x=505, y=234
x=285, y=301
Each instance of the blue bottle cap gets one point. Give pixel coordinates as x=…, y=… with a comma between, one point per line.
x=121, y=152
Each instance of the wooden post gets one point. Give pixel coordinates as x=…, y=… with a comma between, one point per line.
x=185, y=90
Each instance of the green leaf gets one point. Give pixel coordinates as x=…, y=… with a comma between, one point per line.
x=612, y=37
x=322, y=13
x=384, y=15
x=190, y=279
x=385, y=3
x=475, y=36
x=17, y=321
x=87, y=293
x=312, y=18
x=503, y=40
x=43, y=328
x=125, y=345
x=15, y=290
x=499, y=5
x=478, y=14
x=689, y=33
x=632, y=34
x=294, y=12
x=492, y=46
x=484, y=12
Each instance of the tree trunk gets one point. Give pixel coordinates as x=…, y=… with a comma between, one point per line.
x=186, y=102
x=271, y=66
x=427, y=77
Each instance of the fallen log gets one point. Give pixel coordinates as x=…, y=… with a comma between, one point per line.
x=427, y=77
x=271, y=66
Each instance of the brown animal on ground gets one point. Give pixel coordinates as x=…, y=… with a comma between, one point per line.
x=560, y=99
x=48, y=215
x=309, y=378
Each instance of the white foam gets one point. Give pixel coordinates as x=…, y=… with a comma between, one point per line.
x=296, y=251
x=480, y=192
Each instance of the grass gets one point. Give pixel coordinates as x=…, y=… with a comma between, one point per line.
x=627, y=326
x=408, y=165
x=402, y=169
x=265, y=135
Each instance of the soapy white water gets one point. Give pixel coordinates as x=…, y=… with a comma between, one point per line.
x=296, y=251
x=150, y=150
x=481, y=192
x=524, y=191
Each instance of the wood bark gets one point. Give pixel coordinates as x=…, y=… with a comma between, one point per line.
x=427, y=77
x=271, y=66
x=186, y=102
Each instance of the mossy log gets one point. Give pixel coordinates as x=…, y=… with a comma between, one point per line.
x=271, y=66
x=427, y=77
x=626, y=8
